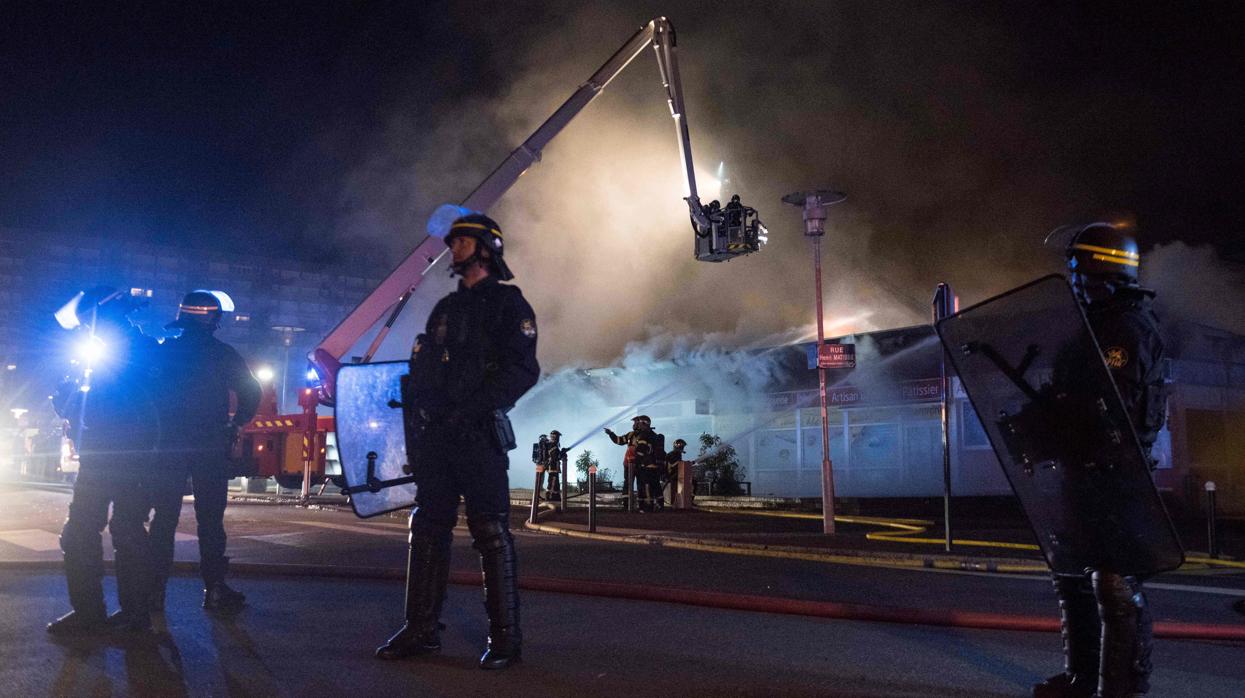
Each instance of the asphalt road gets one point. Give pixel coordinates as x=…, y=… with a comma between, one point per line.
x=313, y=636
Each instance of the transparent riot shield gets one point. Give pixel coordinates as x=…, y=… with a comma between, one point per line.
x=370, y=440
x=1035, y=375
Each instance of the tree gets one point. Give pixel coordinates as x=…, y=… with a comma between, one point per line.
x=721, y=458
x=585, y=461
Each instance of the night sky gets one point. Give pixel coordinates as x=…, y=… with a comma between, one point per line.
x=962, y=131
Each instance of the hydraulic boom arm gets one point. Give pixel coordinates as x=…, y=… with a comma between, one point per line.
x=393, y=293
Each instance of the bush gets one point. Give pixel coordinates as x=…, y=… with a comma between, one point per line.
x=721, y=459
x=605, y=477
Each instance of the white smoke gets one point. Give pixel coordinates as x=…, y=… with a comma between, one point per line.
x=1195, y=285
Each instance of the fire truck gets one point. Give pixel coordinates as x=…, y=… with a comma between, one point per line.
x=299, y=447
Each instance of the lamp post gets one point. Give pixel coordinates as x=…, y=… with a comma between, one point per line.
x=814, y=204
x=287, y=339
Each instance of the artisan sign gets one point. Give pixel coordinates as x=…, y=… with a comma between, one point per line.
x=924, y=390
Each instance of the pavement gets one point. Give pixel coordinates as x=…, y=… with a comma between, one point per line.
x=315, y=638
x=324, y=590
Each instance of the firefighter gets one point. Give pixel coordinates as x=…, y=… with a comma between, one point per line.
x=1106, y=620
x=203, y=372
x=647, y=450
x=554, y=460
x=475, y=359
x=114, y=422
x=673, y=459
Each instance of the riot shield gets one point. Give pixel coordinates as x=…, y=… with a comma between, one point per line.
x=1035, y=375
x=370, y=440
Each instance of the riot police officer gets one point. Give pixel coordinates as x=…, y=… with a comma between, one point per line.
x=115, y=424
x=202, y=372
x=647, y=449
x=1105, y=618
x=475, y=359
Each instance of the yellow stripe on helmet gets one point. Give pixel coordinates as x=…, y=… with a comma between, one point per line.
x=475, y=226
x=1115, y=260
x=1106, y=250
x=197, y=309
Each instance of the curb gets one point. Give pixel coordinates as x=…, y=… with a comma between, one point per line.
x=892, y=560
x=709, y=599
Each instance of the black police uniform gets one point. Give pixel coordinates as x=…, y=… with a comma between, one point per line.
x=116, y=425
x=476, y=358
x=203, y=371
x=1107, y=624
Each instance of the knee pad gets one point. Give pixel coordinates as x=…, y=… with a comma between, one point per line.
x=425, y=528
x=1118, y=596
x=129, y=536
x=77, y=538
x=489, y=532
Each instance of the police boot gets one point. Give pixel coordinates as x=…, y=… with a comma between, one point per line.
x=159, y=588
x=427, y=574
x=78, y=623
x=133, y=589
x=84, y=572
x=501, y=590
x=219, y=596
x=1078, y=619
x=1127, y=636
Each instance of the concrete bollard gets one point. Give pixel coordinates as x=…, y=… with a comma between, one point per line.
x=1212, y=535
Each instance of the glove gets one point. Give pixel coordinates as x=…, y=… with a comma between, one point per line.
x=610, y=433
x=231, y=432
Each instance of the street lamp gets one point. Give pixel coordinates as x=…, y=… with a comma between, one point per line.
x=814, y=204
x=287, y=339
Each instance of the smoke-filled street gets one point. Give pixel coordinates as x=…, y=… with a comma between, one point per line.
x=622, y=348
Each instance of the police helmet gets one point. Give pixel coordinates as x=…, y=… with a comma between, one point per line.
x=1104, y=250
x=1099, y=251
x=488, y=236
x=202, y=309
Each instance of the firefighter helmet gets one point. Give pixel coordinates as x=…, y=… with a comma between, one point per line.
x=642, y=419
x=202, y=309
x=555, y=432
x=680, y=444
x=488, y=236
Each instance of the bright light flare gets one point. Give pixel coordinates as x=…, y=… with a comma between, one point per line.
x=91, y=350
x=265, y=374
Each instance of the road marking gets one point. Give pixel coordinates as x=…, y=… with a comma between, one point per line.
x=32, y=539
x=1222, y=591
x=388, y=530
x=1165, y=586
x=296, y=539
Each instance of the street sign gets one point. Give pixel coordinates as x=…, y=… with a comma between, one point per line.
x=836, y=356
